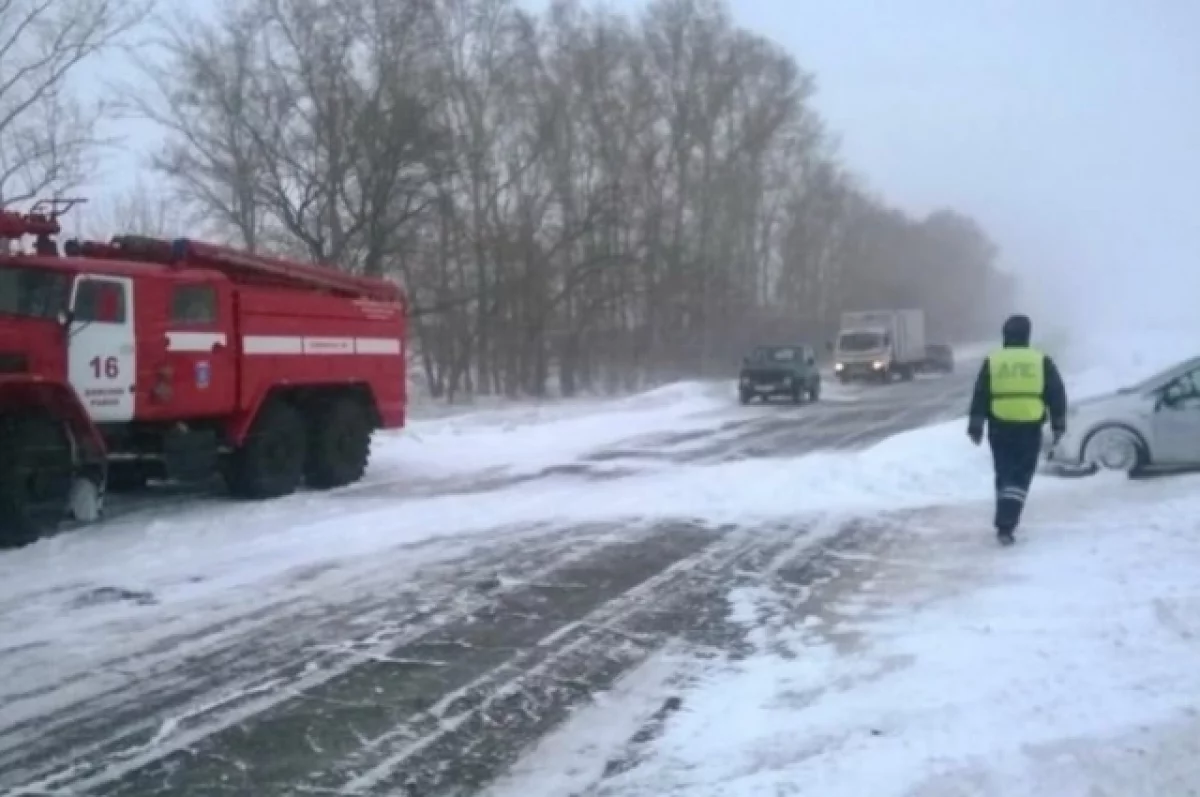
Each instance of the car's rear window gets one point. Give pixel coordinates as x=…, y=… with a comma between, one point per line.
x=780, y=354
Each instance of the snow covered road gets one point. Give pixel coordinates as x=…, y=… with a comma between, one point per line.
x=924, y=661
x=422, y=628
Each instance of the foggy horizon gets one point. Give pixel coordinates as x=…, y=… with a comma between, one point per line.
x=1068, y=129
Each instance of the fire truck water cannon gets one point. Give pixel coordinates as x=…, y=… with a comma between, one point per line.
x=14, y=226
x=179, y=360
x=42, y=219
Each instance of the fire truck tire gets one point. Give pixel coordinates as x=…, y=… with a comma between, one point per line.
x=270, y=464
x=339, y=445
x=35, y=477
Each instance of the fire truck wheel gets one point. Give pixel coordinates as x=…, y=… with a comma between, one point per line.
x=339, y=445
x=35, y=477
x=270, y=464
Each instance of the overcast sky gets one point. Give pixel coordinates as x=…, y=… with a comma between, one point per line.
x=1070, y=128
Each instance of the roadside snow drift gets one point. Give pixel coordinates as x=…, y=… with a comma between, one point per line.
x=529, y=438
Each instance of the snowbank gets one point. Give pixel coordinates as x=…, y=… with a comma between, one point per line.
x=1063, y=666
x=526, y=439
x=917, y=468
x=925, y=467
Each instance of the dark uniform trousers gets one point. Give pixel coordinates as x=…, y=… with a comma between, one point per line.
x=1016, y=448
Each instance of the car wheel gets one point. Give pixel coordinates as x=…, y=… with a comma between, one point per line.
x=1115, y=448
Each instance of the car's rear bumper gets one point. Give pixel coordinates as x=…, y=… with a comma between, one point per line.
x=765, y=389
x=767, y=379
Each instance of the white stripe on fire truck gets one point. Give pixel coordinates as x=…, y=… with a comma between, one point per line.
x=297, y=344
x=195, y=341
x=283, y=344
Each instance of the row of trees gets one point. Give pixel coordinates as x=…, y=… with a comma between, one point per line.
x=576, y=199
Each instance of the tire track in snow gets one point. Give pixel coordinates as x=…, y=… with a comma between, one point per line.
x=514, y=675
x=414, y=669
x=273, y=644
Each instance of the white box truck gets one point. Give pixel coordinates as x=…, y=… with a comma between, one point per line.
x=879, y=345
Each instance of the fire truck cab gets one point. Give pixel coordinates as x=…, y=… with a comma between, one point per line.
x=145, y=359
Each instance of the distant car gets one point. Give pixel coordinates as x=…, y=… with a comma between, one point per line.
x=939, y=358
x=1152, y=425
x=771, y=371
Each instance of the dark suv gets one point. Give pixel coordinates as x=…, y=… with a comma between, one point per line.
x=789, y=371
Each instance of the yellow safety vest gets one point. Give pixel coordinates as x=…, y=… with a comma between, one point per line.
x=1018, y=378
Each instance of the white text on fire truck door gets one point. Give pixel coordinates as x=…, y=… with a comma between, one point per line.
x=103, y=351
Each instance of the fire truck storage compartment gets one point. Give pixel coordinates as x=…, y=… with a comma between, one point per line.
x=307, y=338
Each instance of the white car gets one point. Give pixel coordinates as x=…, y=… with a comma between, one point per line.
x=1152, y=424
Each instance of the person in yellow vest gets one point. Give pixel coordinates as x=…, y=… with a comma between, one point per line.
x=1017, y=390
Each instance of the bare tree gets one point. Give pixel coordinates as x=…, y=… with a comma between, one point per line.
x=47, y=133
x=202, y=76
x=139, y=210
x=578, y=200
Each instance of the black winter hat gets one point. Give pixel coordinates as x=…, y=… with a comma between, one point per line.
x=1017, y=330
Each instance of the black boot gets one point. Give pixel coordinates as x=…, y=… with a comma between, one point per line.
x=1004, y=535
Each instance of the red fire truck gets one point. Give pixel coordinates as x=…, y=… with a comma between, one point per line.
x=147, y=359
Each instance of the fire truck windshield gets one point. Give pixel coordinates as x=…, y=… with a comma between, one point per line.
x=32, y=292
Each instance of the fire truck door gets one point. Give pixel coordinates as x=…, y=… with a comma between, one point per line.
x=199, y=349
x=102, y=352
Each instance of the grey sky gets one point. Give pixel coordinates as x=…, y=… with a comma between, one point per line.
x=1070, y=128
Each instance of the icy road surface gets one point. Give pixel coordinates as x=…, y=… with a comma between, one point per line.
x=415, y=633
